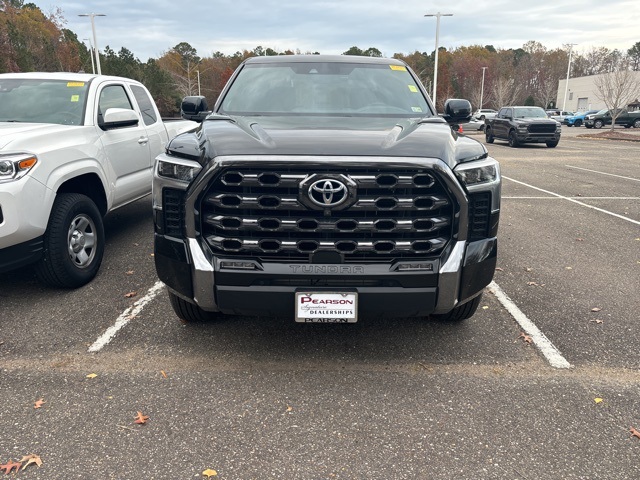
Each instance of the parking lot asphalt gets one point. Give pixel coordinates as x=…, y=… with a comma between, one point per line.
x=254, y=397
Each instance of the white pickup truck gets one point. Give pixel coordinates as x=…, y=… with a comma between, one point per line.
x=73, y=147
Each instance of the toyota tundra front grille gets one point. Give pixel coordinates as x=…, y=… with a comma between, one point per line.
x=291, y=214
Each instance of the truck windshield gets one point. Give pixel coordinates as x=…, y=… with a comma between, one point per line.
x=325, y=88
x=42, y=101
x=533, y=112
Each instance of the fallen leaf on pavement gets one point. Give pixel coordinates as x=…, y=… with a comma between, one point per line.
x=7, y=467
x=597, y=320
x=209, y=473
x=129, y=272
x=597, y=400
x=525, y=338
x=634, y=432
x=498, y=269
x=130, y=294
x=39, y=403
x=484, y=307
x=163, y=373
x=596, y=309
x=92, y=375
x=29, y=459
x=289, y=408
x=141, y=419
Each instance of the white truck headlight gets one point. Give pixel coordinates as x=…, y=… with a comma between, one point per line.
x=15, y=166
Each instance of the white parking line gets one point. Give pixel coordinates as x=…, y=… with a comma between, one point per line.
x=548, y=349
x=569, y=199
x=129, y=314
x=604, y=173
x=561, y=198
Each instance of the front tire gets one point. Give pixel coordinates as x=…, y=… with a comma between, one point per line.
x=461, y=312
x=598, y=124
x=488, y=135
x=513, y=139
x=73, y=242
x=190, y=312
x=552, y=144
x=578, y=123
x=636, y=124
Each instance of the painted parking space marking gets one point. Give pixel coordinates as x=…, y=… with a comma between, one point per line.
x=604, y=173
x=569, y=199
x=548, y=349
x=557, y=198
x=124, y=318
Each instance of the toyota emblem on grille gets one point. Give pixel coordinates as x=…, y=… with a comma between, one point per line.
x=328, y=192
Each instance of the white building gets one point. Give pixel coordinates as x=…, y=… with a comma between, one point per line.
x=581, y=94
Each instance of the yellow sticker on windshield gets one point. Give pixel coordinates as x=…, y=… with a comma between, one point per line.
x=413, y=88
x=75, y=84
x=400, y=68
x=75, y=98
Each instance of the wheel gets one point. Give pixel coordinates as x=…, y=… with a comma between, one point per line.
x=598, y=124
x=636, y=123
x=588, y=126
x=190, y=312
x=488, y=135
x=461, y=312
x=578, y=123
x=73, y=242
x=513, y=139
x=553, y=144
x=627, y=126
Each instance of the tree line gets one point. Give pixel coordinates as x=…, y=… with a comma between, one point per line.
x=33, y=41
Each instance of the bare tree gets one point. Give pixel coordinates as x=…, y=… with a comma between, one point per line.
x=617, y=89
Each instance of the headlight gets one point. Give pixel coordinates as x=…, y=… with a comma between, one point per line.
x=177, y=169
x=15, y=166
x=478, y=173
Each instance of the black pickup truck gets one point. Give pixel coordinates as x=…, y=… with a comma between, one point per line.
x=603, y=117
x=519, y=125
x=325, y=189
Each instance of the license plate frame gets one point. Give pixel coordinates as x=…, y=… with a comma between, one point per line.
x=326, y=307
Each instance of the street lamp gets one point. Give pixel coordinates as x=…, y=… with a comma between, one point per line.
x=93, y=64
x=566, y=87
x=482, y=87
x=93, y=29
x=435, y=68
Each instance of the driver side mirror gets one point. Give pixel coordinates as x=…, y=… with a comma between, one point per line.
x=457, y=110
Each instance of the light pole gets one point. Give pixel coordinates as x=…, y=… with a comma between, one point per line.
x=566, y=87
x=93, y=29
x=482, y=87
x=435, y=68
x=93, y=63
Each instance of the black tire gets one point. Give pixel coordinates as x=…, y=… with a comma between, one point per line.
x=598, y=124
x=636, y=123
x=578, y=123
x=190, y=312
x=513, y=139
x=553, y=144
x=73, y=242
x=488, y=135
x=627, y=126
x=588, y=126
x=461, y=312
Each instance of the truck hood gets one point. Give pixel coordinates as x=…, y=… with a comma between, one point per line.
x=10, y=131
x=327, y=136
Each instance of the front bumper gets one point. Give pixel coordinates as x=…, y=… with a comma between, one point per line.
x=526, y=137
x=192, y=273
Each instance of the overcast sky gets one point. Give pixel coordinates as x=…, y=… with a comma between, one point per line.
x=149, y=28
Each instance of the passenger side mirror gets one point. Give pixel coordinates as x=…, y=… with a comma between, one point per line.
x=194, y=108
x=457, y=110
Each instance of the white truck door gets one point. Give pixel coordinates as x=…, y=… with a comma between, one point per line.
x=126, y=149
